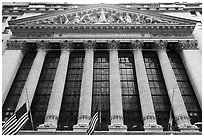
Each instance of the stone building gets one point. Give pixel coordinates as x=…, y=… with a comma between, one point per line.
x=138, y=65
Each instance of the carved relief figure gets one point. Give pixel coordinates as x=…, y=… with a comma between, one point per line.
x=101, y=17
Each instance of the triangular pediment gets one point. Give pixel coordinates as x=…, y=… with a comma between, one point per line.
x=101, y=14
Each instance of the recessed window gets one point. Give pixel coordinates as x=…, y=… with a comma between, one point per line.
x=130, y=96
x=70, y=101
x=101, y=90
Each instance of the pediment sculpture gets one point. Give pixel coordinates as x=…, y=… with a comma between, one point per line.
x=102, y=16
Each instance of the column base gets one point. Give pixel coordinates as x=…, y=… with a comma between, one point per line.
x=117, y=128
x=188, y=128
x=153, y=127
x=48, y=127
x=80, y=127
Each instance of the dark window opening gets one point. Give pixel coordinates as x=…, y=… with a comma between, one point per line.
x=187, y=92
x=43, y=90
x=70, y=102
x=130, y=95
x=17, y=86
x=101, y=90
x=158, y=90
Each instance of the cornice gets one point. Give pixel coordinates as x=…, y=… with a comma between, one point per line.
x=113, y=7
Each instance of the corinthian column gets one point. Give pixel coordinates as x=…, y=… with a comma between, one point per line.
x=11, y=61
x=192, y=61
x=53, y=110
x=148, y=113
x=33, y=76
x=177, y=103
x=84, y=114
x=116, y=109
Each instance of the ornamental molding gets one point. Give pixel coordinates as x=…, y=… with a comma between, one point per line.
x=187, y=44
x=90, y=45
x=101, y=14
x=160, y=44
x=114, y=45
x=138, y=44
x=17, y=45
x=66, y=44
x=42, y=45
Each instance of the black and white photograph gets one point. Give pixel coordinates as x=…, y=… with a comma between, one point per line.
x=103, y=67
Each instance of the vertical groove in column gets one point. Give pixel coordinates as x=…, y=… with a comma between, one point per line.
x=179, y=109
x=33, y=77
x=84, y=114
x=148, y=112
x=116, y=108
x=11, y=61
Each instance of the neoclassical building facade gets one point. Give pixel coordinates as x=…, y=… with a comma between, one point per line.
x=138, y=65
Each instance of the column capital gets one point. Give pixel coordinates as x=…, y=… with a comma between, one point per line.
x=137, y=44
x=90, y=45
x=68, y=45
x=187, y=44
x=113, y=44
x=42, y=45
x=160, y=44
x=17, y=45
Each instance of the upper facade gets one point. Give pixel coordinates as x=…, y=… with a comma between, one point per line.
x=101, y=21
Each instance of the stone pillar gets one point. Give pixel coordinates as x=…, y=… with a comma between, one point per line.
x=33, y=76
x=11, y=61
x=53, y=110
x=177, y=103
x=116, y=109
x=148, y=113
x=84, y=114
x=192, y=61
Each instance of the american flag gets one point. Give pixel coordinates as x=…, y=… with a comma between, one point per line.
x=92, y=124
x=13, y=125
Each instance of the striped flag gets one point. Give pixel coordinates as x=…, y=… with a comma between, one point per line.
x=13, y=125
x=92, y=124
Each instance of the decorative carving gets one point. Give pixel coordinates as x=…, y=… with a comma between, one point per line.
x=84, y=117
x=160, y=44
x=51, y=117
x=187, y=44
x=171, y=35
x=17, y=45
x=42, y=45
x=100, y=16
x=113, y=44
x=66, y=44
x=149, y=117
x=116, y=117
x=90, y=45
x=182, y=117
x=138, y=44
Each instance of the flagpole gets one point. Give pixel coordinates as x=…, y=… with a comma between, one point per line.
x=171, y=112
x=29, y=111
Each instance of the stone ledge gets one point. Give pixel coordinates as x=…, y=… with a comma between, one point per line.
x=31, y=132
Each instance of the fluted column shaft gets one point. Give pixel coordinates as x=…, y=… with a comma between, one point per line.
x=11, y=61
x=54, y=105
x=116, y=108
x=32, y=79
x=84, y=114
x=192, y=61
x=147, y=107
x=148, y=112
x=177, y=103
